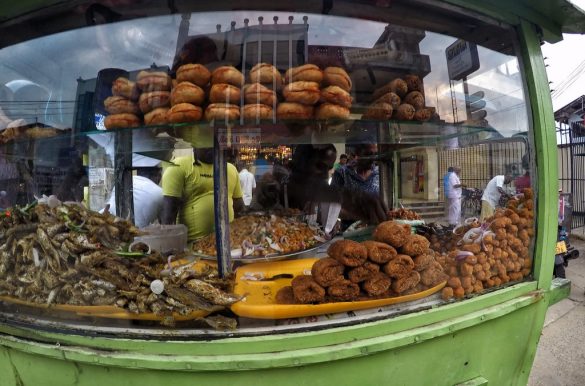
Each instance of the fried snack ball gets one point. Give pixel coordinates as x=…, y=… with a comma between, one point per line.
x=377, y=285
x=392, y=233
x=459, y=292
x=422, y=262
x=433, y=275
x=415, y=245
x=466, y=269
x=344, y=291
x=327, y=271
x=406, y=282
x=454, y=282
x=447, y=293
x=285, y=295
x=348, y=252
x=473, y=248
x=398, y=267
x=306, y=290
x=365, y=272
x=379, y=253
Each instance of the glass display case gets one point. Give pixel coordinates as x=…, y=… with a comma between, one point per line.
x=219, y=173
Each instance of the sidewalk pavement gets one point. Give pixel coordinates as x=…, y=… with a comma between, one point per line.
x=560, y=357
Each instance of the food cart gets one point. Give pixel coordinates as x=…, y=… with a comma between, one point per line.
x=87, y=86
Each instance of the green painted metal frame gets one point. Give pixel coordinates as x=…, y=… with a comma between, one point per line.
x=286, y=350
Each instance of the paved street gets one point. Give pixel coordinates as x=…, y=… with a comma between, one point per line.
x=560, y=359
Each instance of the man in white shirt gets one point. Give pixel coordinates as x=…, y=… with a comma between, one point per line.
x=247, y=182
x=492, y=194
x=454, y=190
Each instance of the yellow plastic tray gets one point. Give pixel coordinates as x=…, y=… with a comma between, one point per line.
x=259, y=301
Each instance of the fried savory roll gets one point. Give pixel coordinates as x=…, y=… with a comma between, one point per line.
x=391, y=98
x=306, y=290
x=405, y=283
x=359, y=274
x=416, y=99
x=397, y=86
x=405, y=112
x=398, y=267
x=379, y=253
x=415, y=245
x=344, y=291
x=414, y=83
x=378, y=111
x=349, y=253
x=392, y=233
x=433, y=275
x=377, y=284
x=327, y=271
x=422, y=262
x=285, y=295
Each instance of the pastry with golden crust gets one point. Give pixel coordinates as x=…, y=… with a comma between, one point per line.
x=289, y=110
x=379, y=253
x=149, y=101
x=348, y=252
x=391, y=98
x=306, y=290
x=414, y=83
x=187, y=92
x=416, y=99
x=125, y=88
x=343, y=291
x=222, y=111
x=378, y=111
x=258, y=93
x=184, y=113
x=364, y=272
x=406, y=282
x=336, y=95
x=303, y=92
x=227, y=74
x=397, y=86
x=331, y=111
x=399, y=266
x=327, y=271
x=224, y=93
x=307, y=73
x=378, y=284
x=405, y=112
x=120, y=105
x=157, y=116
x=392, y=233
x=120, y=121
x=257, y=112
x=149, y=81
x=195, y=73
x=266, y=73
x=415, y=245
x=337, y=76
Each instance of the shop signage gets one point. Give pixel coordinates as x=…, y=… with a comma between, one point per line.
x=462, y=59
x=237, y=137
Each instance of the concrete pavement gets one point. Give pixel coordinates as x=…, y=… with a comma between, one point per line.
x=560, y=358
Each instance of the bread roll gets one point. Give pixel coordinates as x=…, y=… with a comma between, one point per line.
x=405, y=112
x=397, y=86
x=157, y=116
x=258, y=93
x=187, y=92
x=224, y=93
x=120, y=105
x=125, y=88
x=288, y=110
x=331, y=111
x=379, y=111
x=391, y=98
x=153, y=81
x=336, y=95
x=222, y=111
x=336, y=76
x=416, y=99
x=307, y=73
x=227, y=74
x=257, y=111
x=184, y=112
x=120, y=121
x=194, y=73
x=151, y=100
x=267, y=74
x=414, y=83
x=303, y=92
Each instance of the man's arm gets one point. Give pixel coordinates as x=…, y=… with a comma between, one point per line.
x=170, y=209
x=239, y=206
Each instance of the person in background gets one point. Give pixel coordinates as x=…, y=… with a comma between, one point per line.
x=188, y=192
x=247, y=182
x=342, y=162
x=494, y=190
x=522, y=182
x=147, y=195
x=454, y=191
x=446, y=190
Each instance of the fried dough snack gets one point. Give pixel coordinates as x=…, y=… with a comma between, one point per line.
x=415, y=245
x=344, y=291
x=306, y=290
x=379, y=253
x=285, y=295
x=377, y=285
x=365, y=272
x=433, y=275
x=349, y=253
x=422, y=262
x=392, y=233
x=327, y=271
x=405, y=283
x=400, y=266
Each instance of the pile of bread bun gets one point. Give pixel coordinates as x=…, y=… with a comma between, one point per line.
x=401, y=99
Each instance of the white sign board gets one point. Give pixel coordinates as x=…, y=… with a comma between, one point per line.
x=462, y=59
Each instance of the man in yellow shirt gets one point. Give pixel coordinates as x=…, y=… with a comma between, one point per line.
x=188, y=192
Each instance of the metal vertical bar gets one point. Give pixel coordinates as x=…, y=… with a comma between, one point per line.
x=221, y=211
x=290, y=20
x=306, y=39
x=260, y=33
x=385, y=165
x=275, y=64
x=244, y=59
x=124, y=197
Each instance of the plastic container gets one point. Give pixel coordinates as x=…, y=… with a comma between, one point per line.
x=164, y=238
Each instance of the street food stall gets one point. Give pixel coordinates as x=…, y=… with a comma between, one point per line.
x=97, y=98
